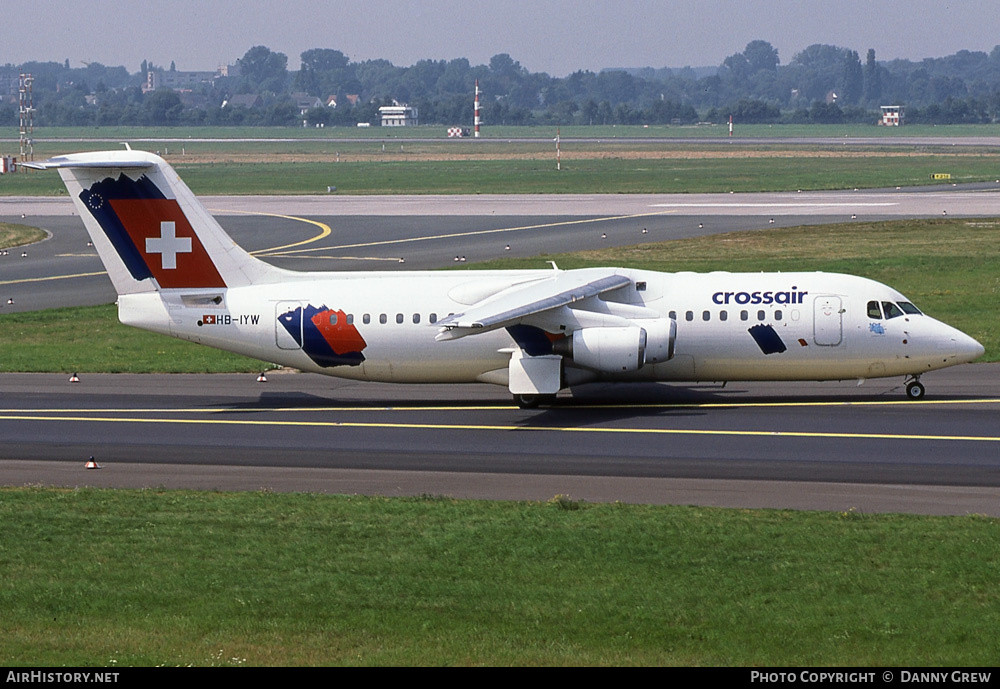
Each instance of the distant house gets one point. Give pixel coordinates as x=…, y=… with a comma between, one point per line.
x=304, y=102
x=246, y=100
x=331, y=101
x=398, y=115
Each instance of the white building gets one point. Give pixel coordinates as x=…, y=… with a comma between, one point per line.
x=892, y=116
x=398, y=115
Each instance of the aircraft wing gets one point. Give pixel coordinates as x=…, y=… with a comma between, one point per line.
x=521, y=301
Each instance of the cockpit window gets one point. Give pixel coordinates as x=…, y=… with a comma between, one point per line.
x=891, y=310
x=874, y=311
x=909, y=308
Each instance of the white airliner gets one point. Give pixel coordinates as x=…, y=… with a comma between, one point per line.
x=535, y=331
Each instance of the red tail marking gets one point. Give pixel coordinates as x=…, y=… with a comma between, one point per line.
x=168, y=246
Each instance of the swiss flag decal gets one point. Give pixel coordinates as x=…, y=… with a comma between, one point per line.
x=167, y=242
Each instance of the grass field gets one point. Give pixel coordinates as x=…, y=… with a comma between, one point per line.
x=607, y=175
x=523, y=160
x=121, y=578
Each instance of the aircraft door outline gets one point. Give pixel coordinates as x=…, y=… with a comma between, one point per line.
x=288, y=324
x=828, y=321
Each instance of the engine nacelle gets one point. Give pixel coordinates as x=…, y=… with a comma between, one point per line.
x=620, y=349
x=661, y=334
x=612, y=350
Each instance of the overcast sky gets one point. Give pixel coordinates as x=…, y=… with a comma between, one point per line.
x=554, y=36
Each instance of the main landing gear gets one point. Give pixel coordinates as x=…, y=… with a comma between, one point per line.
x=533, y=401
x=915, y=389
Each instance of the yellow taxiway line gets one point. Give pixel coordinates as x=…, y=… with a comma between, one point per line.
x=77, y=415
x=473, y=233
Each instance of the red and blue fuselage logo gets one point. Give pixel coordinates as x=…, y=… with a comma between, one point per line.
x=325, y=335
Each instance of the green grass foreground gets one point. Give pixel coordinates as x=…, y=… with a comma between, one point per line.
x=948, y=267
x=104, y=578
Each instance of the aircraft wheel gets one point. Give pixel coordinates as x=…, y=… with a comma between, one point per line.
x=915, y=390
x=527, y=401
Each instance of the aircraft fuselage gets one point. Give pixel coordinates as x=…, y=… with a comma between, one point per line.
x=729, y=326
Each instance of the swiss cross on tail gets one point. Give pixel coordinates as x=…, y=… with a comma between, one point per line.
x=151, y=233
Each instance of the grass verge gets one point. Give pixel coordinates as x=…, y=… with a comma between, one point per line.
x=12, y=235
x=90, y=338
x=100, y=577
x=594, y=175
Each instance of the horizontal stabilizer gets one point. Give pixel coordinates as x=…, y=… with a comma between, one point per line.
x=68, y=163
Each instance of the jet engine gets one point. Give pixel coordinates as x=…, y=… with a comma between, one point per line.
x=620, y=349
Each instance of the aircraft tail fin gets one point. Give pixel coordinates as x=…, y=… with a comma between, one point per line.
x=149, y=229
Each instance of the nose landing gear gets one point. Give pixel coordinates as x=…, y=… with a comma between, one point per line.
x=915, y=389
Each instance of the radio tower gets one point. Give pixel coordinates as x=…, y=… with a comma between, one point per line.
x=477, y=119
x=27, y=111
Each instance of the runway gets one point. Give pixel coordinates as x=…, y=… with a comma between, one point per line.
x=830, y=446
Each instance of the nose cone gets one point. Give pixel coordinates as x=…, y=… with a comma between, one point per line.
x=969, y=349
x=962, y=347
x=950, y=345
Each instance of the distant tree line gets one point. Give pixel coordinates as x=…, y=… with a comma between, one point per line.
x=821, y=84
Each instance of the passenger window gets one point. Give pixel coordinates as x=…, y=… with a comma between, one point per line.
x=723, y=315
x=672, y=315
x=744, y=315
x=891, y=310
x=706, y=315
x=777, y=314
x=761, y=315
x=350, y=319
x=366, y=319
x=873, y=310
x=333, y=319
x=433, y=318
x=416, y=318
x=399, y=318
x=383, y=319
x=689, y=316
